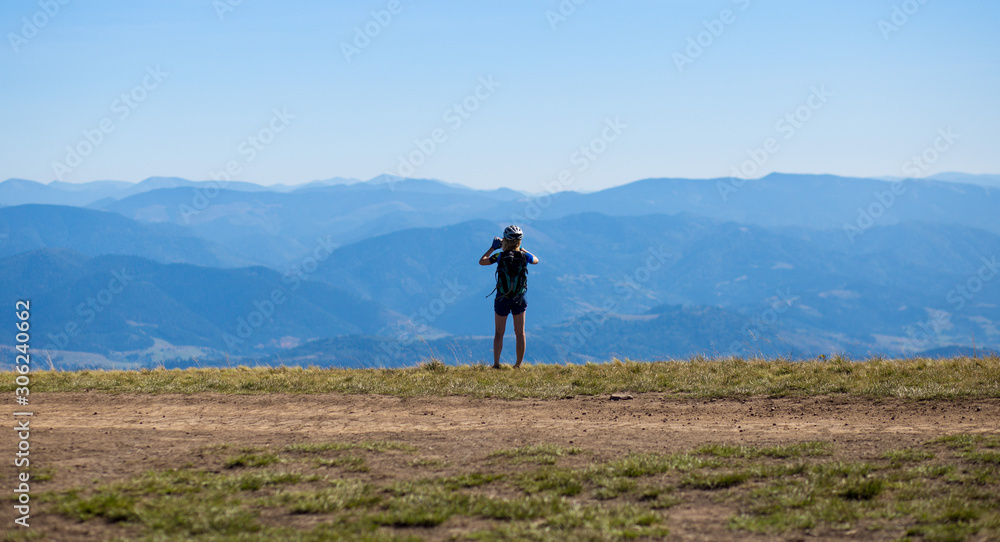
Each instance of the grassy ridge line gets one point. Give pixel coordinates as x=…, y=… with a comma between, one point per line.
x=878, y=377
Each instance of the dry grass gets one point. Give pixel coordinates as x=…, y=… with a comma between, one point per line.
x=732, y=377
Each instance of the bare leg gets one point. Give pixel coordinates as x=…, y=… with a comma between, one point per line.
x=501, y=326
x=519, y=334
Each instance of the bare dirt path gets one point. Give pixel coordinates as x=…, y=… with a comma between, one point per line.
x=86, y=436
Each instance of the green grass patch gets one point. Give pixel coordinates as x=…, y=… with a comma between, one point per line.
x=343, y=494
x=565, y=482
x=43, y=474
x=933, y=501
x=983, y=457
x=472, y=479
x=606, y=487
x=862, y=489
x=968, y=442
x=978, y=448
x=213, y=514
x=251, y=459
x=714, y=480
x=110, y=505
x=351, y=463
x=543, y=454
x=907, y=455
x=427, y=462
x=753, y=452
x=649, y=464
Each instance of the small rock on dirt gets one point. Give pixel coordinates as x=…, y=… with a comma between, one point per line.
x=620, y=397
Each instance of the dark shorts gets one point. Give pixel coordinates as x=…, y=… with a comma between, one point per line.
x=504, y=305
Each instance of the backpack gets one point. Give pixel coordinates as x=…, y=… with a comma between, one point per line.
x=512, y=274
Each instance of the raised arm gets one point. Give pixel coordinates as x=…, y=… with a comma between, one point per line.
x=485, y=259
x=531, y=257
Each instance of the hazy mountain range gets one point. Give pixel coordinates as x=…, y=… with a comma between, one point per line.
x=384, y=272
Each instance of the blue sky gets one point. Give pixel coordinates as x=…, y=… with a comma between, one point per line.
x=557, y=85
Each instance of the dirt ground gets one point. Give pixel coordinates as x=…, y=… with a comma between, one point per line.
x=87, y=436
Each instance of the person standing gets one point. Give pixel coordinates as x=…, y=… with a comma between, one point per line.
x=512, y=285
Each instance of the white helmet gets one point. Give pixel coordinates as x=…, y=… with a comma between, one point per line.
x=512, y=232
